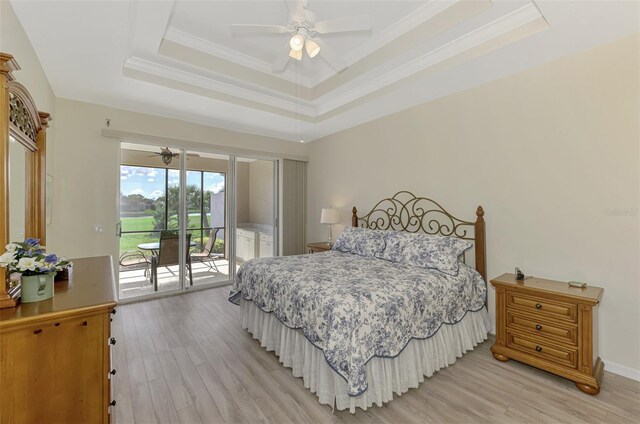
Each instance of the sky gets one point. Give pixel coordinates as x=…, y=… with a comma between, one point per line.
x=149, y=182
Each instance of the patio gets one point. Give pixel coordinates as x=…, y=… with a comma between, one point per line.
x=133, y=281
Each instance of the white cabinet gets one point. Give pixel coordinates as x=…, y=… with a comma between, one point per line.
x=253, y=244
x=245, y=245
x=266, y=246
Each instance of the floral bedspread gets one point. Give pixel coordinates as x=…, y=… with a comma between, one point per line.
x=355, y=307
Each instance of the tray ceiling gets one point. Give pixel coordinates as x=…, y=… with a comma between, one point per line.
x=179, y=58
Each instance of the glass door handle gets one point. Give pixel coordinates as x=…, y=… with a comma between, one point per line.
x=119, y=229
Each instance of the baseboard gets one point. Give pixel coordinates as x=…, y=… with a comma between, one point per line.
x=614, y=368
x=611, y=367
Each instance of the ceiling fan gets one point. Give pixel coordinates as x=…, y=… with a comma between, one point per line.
x=167, y=155
x=305, y=30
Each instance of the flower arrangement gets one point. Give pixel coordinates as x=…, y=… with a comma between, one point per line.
x=28, y=258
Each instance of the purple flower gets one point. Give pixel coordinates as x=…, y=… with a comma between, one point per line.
x=32, y=242
x=51, y=259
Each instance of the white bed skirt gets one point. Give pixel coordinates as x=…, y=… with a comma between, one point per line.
x=385, y=376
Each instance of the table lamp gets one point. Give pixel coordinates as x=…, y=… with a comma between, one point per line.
x=330, y=217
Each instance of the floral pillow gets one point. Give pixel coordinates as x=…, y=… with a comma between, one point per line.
x=360, y=241
x=425, y=250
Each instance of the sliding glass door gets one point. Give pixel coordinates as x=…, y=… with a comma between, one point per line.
x=151, y=258
x=207, y=205
x=190, y=218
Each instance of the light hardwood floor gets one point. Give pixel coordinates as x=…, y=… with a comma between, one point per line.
x=185, y=359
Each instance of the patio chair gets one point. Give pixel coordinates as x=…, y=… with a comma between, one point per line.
x=134, y=260
x=207, y=255
x=168, y=254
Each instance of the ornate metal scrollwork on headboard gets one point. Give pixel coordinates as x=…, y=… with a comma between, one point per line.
x=407, y=212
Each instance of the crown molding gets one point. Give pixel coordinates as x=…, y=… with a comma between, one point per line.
x=239, y=89
x=421, y=15
x=501, y=26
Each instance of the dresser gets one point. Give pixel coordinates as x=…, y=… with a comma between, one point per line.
x=321, y=246
x=55, y=355
x=551, y=326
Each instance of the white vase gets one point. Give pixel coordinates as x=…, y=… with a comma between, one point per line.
x=37, y=287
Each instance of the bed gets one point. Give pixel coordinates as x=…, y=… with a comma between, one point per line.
x=357, y=323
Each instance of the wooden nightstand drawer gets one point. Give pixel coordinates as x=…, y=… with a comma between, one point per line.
x=543, y=306
x=543, y=349
x=521, y=321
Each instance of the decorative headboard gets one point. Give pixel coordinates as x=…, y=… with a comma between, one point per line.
x=406, y=212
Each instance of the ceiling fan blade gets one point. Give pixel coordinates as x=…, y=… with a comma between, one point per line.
x=241, y=29
x=330, y=56
x=348, y=24
x=296, y=10
x=282, y=60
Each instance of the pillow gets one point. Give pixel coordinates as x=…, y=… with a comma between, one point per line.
x=425, y=250
x=360, y=241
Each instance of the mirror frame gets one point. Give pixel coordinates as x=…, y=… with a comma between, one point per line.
x=19, y=117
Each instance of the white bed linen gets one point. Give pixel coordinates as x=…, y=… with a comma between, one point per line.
x=386, y=376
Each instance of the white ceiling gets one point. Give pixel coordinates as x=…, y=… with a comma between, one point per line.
x=177, y=58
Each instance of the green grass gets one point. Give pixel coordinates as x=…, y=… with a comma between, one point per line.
x=137, y=224
x=130, y=242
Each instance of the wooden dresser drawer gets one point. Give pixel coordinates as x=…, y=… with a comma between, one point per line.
x=543, y=349
x=562, y=332
x=543, y=306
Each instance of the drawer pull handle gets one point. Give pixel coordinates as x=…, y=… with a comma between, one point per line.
x=112, y=341
x=113, y=403
x=538, y=327
x=57, y=324
x=85, y=323
x=538, y=349
x=538, y=305
x=112, y=372
x=38, y=331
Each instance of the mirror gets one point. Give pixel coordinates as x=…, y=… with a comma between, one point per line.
x=17, y=190
x=22, y=168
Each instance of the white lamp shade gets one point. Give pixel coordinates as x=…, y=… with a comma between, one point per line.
x=312, y=48
x=297, y=42
x=329, y=216
x=296, y=54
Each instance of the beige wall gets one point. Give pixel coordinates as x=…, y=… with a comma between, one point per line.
x=14, y=41
x=547, y=153
x=86, y=179
x=261, y=192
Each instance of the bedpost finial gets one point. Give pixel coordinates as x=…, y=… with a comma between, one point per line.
x=354, y=211
x=479, y=212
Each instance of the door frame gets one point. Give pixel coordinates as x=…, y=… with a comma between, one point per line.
x=230, y=218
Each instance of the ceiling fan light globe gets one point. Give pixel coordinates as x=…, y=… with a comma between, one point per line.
x=312, y=48
x=297, y=42
x=296, y=54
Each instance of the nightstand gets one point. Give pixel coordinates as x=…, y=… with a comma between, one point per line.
x=316, y=247
x=551, y=326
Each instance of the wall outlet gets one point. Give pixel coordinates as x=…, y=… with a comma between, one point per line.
x=98, y=228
